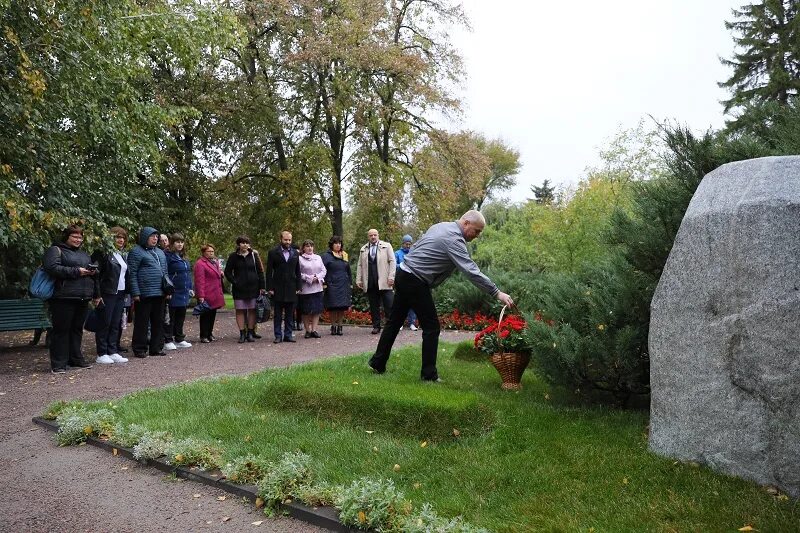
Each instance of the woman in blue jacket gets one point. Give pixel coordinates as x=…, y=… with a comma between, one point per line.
x=180, y=272
x=148, y=266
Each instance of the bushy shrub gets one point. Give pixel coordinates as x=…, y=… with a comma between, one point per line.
x=245, y=470
x=317, y=494
x=590, y=336
x=284, y=478
x=427, y=521
x=151, y=445
x=128, y=436
x=193, y=452
x=75, y=424
x=372, y=504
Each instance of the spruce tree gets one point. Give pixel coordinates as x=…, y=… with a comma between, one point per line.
x=766, y=67
x=544, y=194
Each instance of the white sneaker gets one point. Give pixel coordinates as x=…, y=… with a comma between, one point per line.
x=412, y=327
x=184, y=344
x=170, y=346
x=105, y=360
x=117, y=358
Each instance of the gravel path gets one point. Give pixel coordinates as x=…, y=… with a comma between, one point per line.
x=48, y=488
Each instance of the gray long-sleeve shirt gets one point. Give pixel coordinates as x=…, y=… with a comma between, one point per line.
x=440, y=251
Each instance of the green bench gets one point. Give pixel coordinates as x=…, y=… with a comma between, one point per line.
x=19, y=315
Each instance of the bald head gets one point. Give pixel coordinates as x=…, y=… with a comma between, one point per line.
x=472, y=223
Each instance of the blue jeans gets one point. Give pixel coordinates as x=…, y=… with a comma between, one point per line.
x=107, y=339
x=283, y=312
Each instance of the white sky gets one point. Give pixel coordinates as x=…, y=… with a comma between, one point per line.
x=557, y=80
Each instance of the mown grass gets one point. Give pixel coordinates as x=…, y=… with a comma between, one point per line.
x=521, y=461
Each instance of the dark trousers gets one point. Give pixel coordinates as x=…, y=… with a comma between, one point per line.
x=174, y=330
x=148, y=312
x=68, y=316
x=411, y=293
x=207, y=320
x=283, y=312
x=377, y=297
x=107, y=339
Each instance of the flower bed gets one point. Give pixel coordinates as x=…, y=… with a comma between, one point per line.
x=454, y=320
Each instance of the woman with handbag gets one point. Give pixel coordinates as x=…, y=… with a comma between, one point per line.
x=180, y=272
x=208, y=286
x=245, y=272
x=114, y=282
x=75, y=284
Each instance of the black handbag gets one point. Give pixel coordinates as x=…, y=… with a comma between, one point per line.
x=262, y=309
x=167, y=286
x=96, y=319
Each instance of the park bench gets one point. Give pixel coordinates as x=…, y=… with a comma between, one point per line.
x=18, y=315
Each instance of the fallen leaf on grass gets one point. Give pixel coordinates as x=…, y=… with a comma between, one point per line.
x=747, y=528
x=355, y=383
x=424, y=444
x=396, y=468
x=362, y=517
x=259, y=503
x=369, y=432
x=456, y=432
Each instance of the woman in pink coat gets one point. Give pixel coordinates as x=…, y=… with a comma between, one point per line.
x=312, y=273
x=208, y=288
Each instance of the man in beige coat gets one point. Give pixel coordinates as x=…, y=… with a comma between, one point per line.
x=375, y=275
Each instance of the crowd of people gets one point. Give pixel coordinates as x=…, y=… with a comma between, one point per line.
x=151, y=286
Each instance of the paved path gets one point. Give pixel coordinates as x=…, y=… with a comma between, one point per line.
x=48, y=488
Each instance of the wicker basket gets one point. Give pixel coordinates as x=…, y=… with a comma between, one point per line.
x=510, y=365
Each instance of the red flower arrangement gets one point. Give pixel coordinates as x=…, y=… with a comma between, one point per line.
x=507, y=336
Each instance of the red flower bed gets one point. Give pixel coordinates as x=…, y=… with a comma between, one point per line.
x=454, y=320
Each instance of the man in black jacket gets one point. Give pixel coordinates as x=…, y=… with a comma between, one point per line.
x=283, y=282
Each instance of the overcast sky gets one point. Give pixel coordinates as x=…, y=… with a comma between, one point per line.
x=556, y=80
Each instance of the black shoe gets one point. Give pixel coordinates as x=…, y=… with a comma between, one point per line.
x=338, y=330
x=289, y=339
x=277, y=340
x=333, y=330
x=375, y=331
x=82, y=364
x=123, y=350
x=212, y=338
x=375, y=370
x=143, y=355
x=254, y=334
x=307, y=335
x=59, y=371
x=204, y=340
x=158, y=354
x=315, y=334
x=242, y=336
x=249, y=336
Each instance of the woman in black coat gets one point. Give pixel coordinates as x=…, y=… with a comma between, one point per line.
x=338, y=294
x=75, y=284
x=114, y=281
x=245, y=272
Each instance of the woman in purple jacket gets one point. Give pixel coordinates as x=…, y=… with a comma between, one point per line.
x=312, y=274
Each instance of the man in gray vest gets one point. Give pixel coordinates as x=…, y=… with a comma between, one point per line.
x=375, y=274
x=438, y=253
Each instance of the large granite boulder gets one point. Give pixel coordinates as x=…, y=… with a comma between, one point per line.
x=725, y=327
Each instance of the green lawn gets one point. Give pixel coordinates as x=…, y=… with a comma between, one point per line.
x=521, y=461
